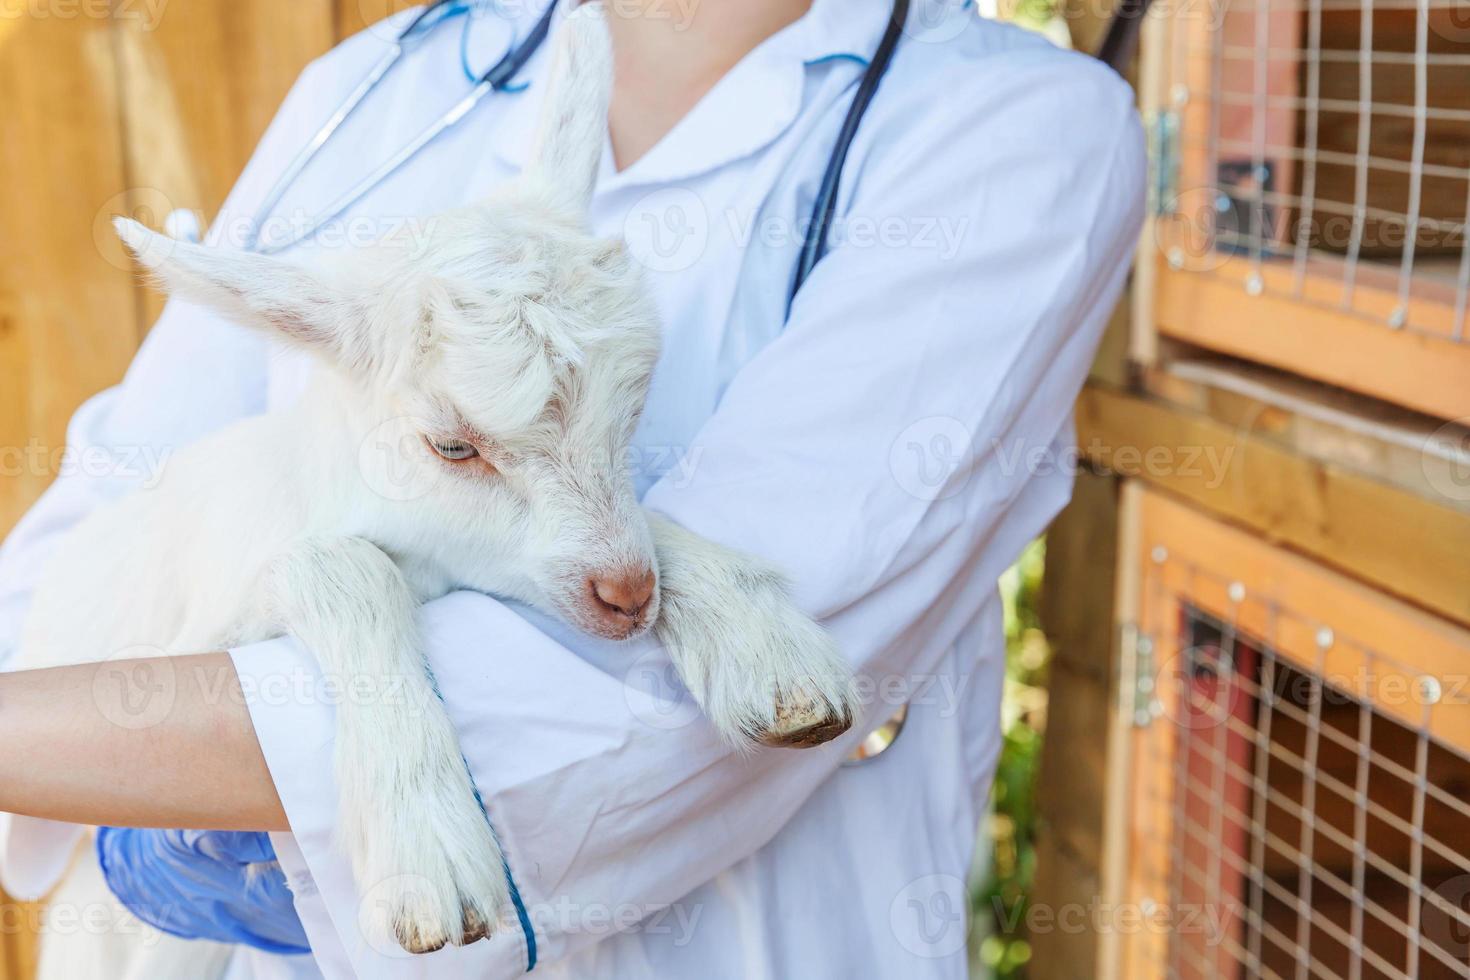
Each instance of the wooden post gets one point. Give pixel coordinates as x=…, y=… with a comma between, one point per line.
x=17, y=938
x=68, y=323
x=1077, y=611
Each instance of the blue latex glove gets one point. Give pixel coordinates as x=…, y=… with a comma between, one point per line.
x=195, y=884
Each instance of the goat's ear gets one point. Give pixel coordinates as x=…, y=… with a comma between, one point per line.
x=567, y=151
x=298, y=304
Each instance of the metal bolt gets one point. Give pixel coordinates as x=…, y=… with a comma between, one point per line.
x=1255, y=285
x=1141, y=717
x=1325, y=638
x=1175, y=256
x=1145, y=645
x=1160, y=554
x=1429, y=690
x=1179, y=95
x=1236, y=592
x=1398, y=317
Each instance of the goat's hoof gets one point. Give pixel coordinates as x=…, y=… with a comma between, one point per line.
x=802, y=722
x=474, y=928
x=412, y=938
x=418, y=912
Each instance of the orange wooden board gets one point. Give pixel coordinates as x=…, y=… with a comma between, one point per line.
x=1424, y=371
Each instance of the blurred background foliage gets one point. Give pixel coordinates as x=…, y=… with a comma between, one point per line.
x=1006, y=864
x=1043, y=16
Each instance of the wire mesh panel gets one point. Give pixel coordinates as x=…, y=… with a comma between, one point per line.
x=1302, y=770
x=1312, y=186
x=1296, y=806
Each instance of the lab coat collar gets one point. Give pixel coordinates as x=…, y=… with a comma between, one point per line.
x=752, y=105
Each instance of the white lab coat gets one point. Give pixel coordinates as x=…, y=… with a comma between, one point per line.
x=891, y=445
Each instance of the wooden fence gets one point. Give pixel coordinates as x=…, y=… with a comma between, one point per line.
x=117, y=106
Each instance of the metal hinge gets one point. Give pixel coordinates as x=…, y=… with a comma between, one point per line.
x=1146, y=704
x=1164, y=162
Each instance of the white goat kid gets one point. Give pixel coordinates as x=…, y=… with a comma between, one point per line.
x=504, y=363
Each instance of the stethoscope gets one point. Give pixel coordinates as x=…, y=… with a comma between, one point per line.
x=498, y=79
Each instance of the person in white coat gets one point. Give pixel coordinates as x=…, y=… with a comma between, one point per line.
x=890, y=441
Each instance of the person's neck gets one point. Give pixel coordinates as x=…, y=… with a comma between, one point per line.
x=669, y=53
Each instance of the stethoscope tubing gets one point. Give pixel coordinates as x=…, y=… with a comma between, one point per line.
x=495, y=79
x=814, y=246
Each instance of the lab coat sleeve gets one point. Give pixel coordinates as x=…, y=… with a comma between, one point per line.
x=874, y=452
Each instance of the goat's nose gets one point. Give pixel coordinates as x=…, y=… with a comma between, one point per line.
x=625, y=593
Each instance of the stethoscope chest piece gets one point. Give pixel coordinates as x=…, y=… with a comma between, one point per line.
x=879, y=740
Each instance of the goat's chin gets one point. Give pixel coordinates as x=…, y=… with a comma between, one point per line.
x=593, y=624
x=618, y=633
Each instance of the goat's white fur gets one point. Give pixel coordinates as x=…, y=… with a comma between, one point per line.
x=512, y=325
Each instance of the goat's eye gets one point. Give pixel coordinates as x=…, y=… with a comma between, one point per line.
x=453, y=449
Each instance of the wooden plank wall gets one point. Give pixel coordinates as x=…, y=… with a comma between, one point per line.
x=115, y=106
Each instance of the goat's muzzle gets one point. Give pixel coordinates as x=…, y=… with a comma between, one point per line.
x=620, y=601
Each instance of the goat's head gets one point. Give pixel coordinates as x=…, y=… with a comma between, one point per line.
x=513, y=349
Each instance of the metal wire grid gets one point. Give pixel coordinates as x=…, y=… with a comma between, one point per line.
x=1397, y=202
x=1312, y=835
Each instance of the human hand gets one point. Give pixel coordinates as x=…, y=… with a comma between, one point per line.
x=203, y=884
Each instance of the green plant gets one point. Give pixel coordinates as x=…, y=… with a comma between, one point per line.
x=1000, y=900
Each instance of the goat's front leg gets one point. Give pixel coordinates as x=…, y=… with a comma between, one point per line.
x=421, y=846
x=760, y=668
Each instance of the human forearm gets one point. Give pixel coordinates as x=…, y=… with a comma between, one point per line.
x=163, y=742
